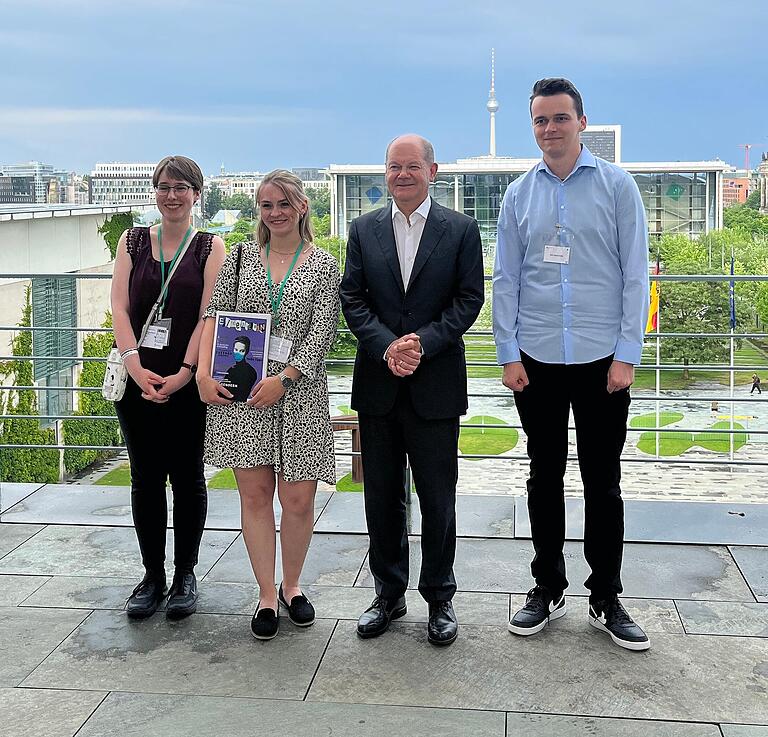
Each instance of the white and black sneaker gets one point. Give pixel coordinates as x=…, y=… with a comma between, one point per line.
x=541, y=606
x=611, y=617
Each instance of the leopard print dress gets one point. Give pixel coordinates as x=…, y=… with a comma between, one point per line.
x=295, y=434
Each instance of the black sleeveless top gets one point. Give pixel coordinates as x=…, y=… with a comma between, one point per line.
x=182, y=304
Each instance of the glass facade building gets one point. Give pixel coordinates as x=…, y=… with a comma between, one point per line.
x=679, y=197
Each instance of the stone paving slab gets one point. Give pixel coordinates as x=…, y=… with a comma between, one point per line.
x=81, y=504
x=700, y=523
x=14, y=589
x=753, y=563
x=98, y=551
x=571, y=669
x=743, y=730
x=29, y=712
x=650, y=571
x=29, y=636
x=151, y=715
x=739, y=619
x=206, y=654
x=332, y=560
x=11, y=536
x=550, y=725
x=12, y=493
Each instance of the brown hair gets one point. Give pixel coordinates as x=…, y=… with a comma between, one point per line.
x=181, y=168
x=293, y=190
x=558, y=86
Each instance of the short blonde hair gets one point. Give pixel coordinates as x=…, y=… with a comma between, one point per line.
x=293, y=190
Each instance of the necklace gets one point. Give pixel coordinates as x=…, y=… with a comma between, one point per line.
x=286, y=254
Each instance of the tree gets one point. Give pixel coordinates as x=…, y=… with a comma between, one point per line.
x=319, y=200
x=746, y=219
x=241, y=202
x=753, y=201
x=246, y=227
x=213, y=201
x=230, y=239
x=345, y=344
x=24, y=465
x=321, y=226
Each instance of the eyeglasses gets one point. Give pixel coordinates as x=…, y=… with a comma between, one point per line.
x=179, y=189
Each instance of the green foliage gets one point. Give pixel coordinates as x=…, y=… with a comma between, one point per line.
x=113, y=227
x=230, y=239
x=246, y=227
x=753, y=201
x=240, y=202
x=91, y=432
x=213, y=201
x=120, y=476
x=746, y=219
x=319, y=201
x=345, y=344
x=22, y=465
x=321, y=226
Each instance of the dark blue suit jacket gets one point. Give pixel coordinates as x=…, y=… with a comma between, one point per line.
x=443, y=300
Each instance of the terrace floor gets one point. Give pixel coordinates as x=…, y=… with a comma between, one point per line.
x=71, y=663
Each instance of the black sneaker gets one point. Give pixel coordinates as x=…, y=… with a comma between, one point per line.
x=611, y=617
x=300, y=610
x=146, y=597
x=265, y=623
x=182, y=598
x=541, y=606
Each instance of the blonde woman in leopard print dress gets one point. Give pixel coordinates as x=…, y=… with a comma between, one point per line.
x=281, y=437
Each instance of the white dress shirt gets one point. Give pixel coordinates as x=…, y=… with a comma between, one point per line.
x=408, y=232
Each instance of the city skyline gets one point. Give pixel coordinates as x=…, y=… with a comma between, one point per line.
x=258, y=88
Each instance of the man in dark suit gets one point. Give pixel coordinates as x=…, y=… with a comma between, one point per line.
x=413, y=285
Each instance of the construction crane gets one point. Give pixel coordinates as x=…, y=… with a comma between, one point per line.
x=746, y=147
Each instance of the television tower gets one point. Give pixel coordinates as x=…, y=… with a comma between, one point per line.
x=493, y=104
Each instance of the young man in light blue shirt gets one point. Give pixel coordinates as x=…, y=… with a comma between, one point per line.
x=570, y=302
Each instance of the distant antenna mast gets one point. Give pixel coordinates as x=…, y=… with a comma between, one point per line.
x=746, y=147
x=493, y=104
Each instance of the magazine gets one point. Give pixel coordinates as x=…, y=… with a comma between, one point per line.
x=240, y=350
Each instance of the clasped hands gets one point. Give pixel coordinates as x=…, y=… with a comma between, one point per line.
x=404, y=355
x=156, y=388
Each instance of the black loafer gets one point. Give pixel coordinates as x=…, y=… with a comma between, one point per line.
x=375, y=620
x=182, y=598
x=146, y=597
x=443, y=627
x=300, y=610
x=265, y=623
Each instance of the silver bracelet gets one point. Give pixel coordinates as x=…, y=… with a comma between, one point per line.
x=128, y=352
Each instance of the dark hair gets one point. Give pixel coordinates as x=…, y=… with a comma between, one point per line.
x=245, y=340
x=558, y=86
x=181, y=168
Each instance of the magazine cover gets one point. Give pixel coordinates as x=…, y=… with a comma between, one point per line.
x=240, y=350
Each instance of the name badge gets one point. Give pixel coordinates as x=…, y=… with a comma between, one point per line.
x=158, y=334
x=557, y=254
x=279, y=348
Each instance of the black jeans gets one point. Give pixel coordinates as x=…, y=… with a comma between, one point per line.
x=601, y=429
x=431, y=447
x=166, y=441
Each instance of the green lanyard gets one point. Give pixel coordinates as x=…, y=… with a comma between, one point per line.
x=270, y=284
x=162, y=262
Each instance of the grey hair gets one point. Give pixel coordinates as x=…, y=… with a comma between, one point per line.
x=428, y=148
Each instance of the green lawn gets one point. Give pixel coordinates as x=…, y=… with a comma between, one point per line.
x=345, y=483
x=120, y=476
x=677, y=443
x=649, y=420
x=224, y=479
x=490, y=441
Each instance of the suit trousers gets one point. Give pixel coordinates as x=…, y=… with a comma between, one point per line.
x=166, y=441
x=600, y=418
x=431, y=447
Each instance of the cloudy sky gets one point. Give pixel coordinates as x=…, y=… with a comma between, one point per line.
x=255, y=85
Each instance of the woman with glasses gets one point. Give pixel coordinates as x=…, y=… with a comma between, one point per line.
x=161, y=416
x=282, y=433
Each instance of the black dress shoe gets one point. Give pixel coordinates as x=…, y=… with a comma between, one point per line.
x=146, y=597
x=375, y=620
x=443, y=627
x=182, y=598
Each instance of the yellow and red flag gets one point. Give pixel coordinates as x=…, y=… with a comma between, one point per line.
x=653, y=312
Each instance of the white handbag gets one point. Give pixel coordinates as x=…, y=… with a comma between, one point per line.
x=116, y=375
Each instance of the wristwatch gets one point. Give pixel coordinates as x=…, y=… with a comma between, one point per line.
x=191, y=366
x=285, y=380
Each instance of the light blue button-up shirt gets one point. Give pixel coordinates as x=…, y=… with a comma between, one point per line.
x=596, y=304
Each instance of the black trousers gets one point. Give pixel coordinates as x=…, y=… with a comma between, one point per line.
x=166, y=441
x=601, y=429
x=431, y=446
